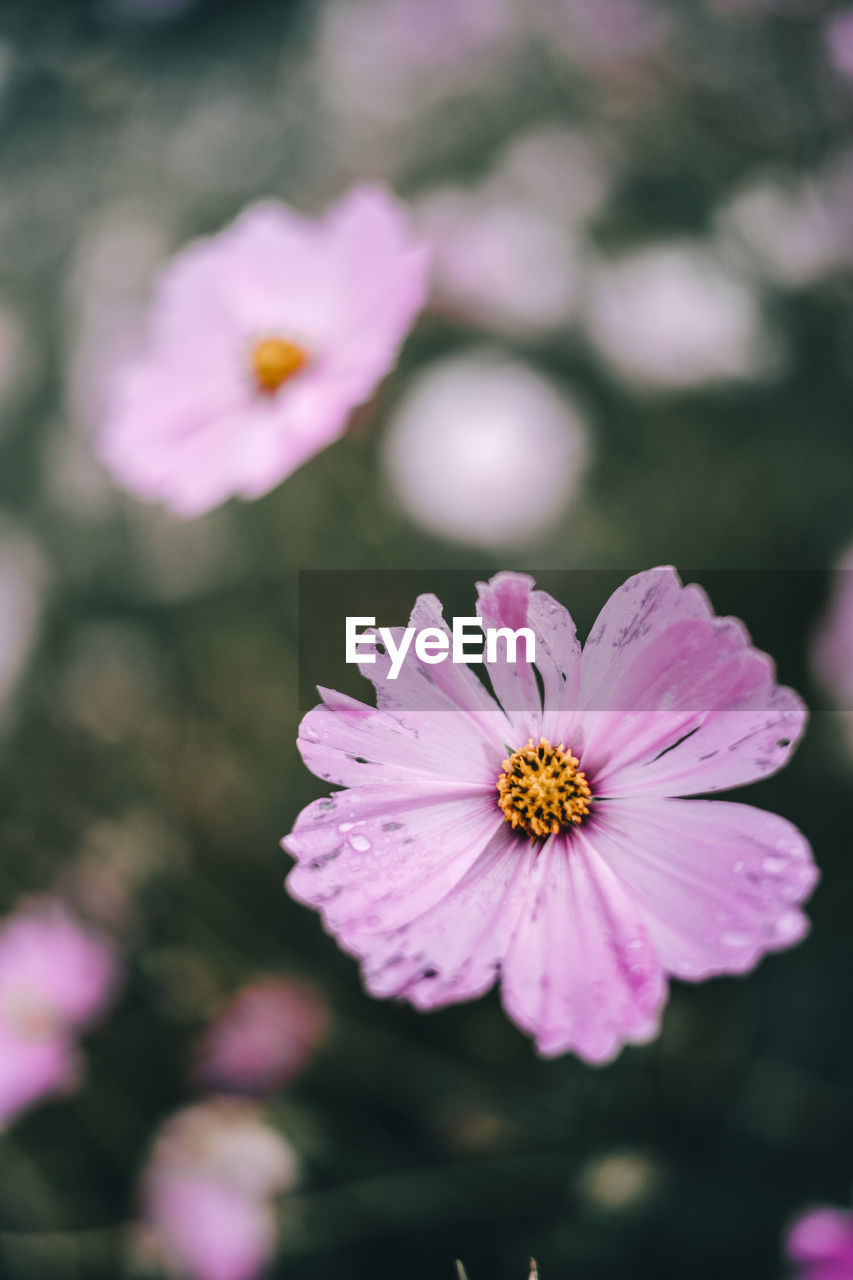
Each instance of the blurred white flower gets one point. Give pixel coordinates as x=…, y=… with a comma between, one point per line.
x=564, y=171
x=484, y=450
x=673, y=316
x=207, y=1191
x=498, y=262
x=794, y=231
x=383, y=63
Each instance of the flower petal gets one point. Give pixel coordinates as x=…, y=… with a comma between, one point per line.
x=33, y=1067
x=453, y=951
x=207, y=1228
x=822, y=1235
x=718, y=884
x=580, y=973
x=185, y=421
x=50, y=958
x=508, y=601
x=380, y=282
x=676, y=701
x=352, y=744
x=374, y=859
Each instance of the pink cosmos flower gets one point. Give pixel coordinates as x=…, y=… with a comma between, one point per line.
x=537, y=838
x=207, y=1191
x=821, y=1241
x=263, y=1038
x=262, y=340
x=56, y=977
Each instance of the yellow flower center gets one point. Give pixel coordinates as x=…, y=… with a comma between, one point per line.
x=542, y=789
x=274, y=361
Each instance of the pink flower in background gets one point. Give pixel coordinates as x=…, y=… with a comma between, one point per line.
x=56, y=977
x=537, y=838
x=821, y=1242
x=838, y=38
x=207, y=1191
x=263, y=1037
x=262, y=340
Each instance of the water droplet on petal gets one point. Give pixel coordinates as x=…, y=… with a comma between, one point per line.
x=773, y=866
x=789, y=926
x=346, y=826
x=361, y=843
x=736, y=938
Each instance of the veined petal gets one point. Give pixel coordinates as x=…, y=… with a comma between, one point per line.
x=376, y=858
x=581, y=973
x=33, y=1067
x=352, y=744
x=675, y=701
x=717, y=884
x=508, y=601
x=683, y=755
x=634, y=617
x=454, y=950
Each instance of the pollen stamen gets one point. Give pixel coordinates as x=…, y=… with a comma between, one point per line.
x=274, y=361
x=542, y=790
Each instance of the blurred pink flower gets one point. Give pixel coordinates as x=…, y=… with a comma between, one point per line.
x=602, y=33
x=564, y=171
x=536, y=838
x=56, y=977
x=207, y=1191
x=394, y=41
x=263, y=1037
x=262, y=341
x=838, y=37
x=821, y=1241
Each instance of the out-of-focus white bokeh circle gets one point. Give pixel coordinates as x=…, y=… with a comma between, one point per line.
x=485, y=450
x=672, y=315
